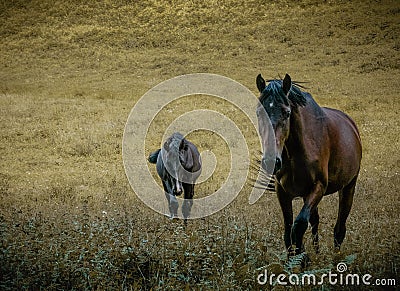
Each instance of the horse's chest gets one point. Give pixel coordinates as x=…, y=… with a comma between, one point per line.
x=298, y=183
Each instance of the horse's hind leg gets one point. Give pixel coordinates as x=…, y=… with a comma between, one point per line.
x=314, y=221
x=345, y=203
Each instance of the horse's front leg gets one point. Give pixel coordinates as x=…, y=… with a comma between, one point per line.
x=308, y=211
x=172, y=201
x=285, y=202
x=188, y=202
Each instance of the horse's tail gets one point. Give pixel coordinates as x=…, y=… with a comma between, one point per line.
x=153, y=156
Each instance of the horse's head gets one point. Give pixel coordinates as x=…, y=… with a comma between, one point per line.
x=274, y=101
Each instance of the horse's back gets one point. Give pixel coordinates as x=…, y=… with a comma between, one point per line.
x=339, y=116
x=345, y=149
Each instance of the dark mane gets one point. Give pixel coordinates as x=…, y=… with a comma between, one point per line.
x=274, y=89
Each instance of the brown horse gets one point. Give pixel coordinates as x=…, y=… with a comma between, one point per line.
x=317, y=152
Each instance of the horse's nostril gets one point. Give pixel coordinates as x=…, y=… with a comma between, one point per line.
x=278, y=164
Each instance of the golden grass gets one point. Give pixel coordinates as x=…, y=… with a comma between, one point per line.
x=70, y=74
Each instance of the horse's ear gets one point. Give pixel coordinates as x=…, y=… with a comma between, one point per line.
x=286, y=84
x=260, y=83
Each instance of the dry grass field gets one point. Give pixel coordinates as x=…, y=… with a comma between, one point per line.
x=71, y=71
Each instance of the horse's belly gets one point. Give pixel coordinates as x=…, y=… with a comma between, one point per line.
x=332, y=188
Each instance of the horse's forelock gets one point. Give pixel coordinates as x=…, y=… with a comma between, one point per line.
x=173, y=142
x=274, y=90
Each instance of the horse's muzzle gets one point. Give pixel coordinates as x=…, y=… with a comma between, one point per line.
x=177, y=192
x=269, y=164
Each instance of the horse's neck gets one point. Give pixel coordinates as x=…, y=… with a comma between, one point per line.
x=306, y=131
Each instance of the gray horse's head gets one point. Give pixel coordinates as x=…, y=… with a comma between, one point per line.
x=175, y=163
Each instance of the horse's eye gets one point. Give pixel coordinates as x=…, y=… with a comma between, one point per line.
x=286, y=114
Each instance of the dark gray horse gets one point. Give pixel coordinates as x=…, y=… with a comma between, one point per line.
x=178, y=164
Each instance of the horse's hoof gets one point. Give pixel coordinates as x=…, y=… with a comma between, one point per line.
x=337, y=250
x=306, y=261
x=291, y=251
x=173, y=217
x=316, y=243
x=298, y=262
x=316, y=248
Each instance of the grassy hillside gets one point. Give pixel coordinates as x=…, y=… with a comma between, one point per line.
x=70, y=72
